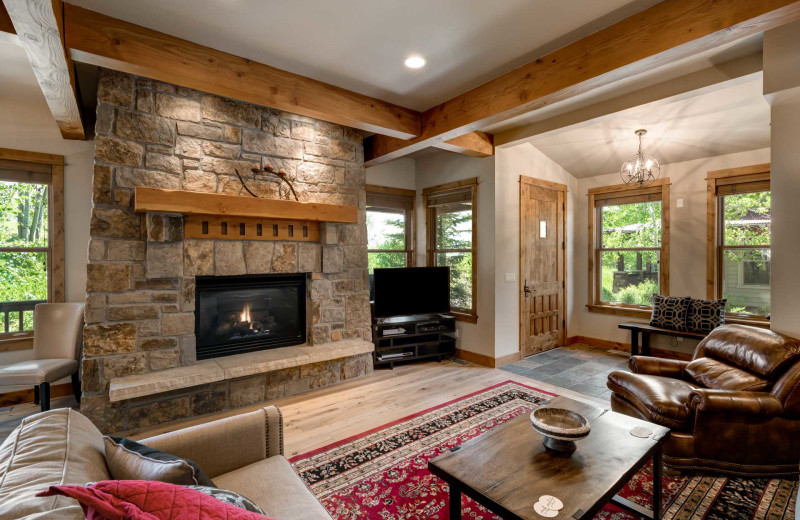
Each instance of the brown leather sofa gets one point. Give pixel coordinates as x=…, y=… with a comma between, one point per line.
x=735, y=408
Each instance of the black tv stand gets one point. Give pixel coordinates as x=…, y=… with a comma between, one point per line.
x=407, y=338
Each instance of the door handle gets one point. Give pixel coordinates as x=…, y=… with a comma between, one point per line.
x=527, y=289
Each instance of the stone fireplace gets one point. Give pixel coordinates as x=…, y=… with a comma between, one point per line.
x=141, y=364
x=237, y=314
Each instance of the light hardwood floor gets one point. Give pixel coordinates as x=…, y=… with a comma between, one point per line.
x=320, y=417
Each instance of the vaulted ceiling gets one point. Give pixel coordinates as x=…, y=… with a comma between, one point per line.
x=719, y=122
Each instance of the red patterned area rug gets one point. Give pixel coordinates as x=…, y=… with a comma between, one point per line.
x=383, y=473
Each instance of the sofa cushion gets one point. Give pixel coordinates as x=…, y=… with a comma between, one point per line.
x=129, y=460
x=759, y=351
x=669, y=312
x=663, y=400
x=49, y=449
x=710, y=373
x=275, y=487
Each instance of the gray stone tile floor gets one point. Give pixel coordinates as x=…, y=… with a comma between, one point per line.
x=580, y=368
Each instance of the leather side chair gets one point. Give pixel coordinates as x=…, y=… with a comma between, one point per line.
x=57, y=338
x=735, y=408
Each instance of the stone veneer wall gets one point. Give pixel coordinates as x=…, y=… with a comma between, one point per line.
x=140, y=287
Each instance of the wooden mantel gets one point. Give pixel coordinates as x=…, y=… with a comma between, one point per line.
x=219, y=205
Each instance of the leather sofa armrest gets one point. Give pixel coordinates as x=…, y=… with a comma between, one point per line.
x=735, y=402
x=222, y=446
x=673, y=368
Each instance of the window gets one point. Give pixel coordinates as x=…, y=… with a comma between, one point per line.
x=739, y=256
x=390, y=227
x=31, y=238
x=451, y=231
x=628, y=247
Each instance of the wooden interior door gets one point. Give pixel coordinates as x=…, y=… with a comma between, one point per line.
x=543, y=208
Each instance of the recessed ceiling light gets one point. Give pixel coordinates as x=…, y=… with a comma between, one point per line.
x=415, y=62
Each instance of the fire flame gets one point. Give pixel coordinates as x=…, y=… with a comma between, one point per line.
x=245, y=316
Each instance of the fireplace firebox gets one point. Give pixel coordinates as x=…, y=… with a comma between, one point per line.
x=237, y=314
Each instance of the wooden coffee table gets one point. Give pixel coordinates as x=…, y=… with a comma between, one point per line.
x=508, y=468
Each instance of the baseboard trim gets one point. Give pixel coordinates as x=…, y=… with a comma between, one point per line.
x=505, y=360
x=487, y=361
x=626, y=347
x=26, y=396
x=474, y=357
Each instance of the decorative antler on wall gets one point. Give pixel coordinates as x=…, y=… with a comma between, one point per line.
x=281, y=174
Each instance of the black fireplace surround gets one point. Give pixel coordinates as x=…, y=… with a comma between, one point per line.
x=237, y=314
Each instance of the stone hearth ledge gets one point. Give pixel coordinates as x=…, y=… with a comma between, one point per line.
x=232, y=367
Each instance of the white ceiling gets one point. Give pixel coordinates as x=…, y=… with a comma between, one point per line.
x=727, y=120
x=361, y=44
x=17, y=80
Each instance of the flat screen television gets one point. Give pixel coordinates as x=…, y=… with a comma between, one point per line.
x=402, y=291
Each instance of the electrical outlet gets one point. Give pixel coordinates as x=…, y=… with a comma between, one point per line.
x=680, y=203
x=511, y=277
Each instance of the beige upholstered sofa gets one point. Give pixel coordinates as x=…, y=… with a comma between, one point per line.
x=243, y=453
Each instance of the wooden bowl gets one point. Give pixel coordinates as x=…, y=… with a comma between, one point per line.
x=560, y=428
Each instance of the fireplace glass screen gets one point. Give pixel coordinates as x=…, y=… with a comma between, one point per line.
x=237, y=314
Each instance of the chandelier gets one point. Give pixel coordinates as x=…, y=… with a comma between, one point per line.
x=641, y=169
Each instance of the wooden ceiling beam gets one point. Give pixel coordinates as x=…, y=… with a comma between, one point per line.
x=115, y=44
x=5, y=21
x=474, y=144
x=668, y=31
x=39, y=25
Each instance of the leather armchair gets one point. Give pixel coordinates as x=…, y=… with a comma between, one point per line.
x=734, y=408
x=57, y=338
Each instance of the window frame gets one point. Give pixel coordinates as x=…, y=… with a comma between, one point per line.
x=466, y=315
x=622, y=192
x=409, y=216
x=38, y=168
x=714, y=236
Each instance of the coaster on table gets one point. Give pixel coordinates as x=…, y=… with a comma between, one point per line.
x=544, y=511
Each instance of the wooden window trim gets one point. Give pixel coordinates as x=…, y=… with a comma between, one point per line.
x=618, y=193
x=465, y=315
x=410, y=221
x=25, y=166
x=714, y=179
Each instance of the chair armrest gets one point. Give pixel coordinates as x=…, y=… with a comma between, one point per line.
x=222, y=446
x=735, y=402
x=673, y=368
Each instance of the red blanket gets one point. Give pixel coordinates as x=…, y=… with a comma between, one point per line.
x=149, y=500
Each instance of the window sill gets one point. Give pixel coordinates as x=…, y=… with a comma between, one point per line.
x=8, y=344
x=465, y=317
x=621, y=310
x=743, y=320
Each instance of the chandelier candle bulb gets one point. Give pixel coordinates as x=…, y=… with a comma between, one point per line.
x=641, y=169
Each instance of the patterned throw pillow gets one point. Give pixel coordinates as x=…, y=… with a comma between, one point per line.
x=230, y=497
x=705, y=315
x=669, y=312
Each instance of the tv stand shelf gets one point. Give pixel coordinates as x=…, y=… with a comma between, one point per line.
x=407, y=338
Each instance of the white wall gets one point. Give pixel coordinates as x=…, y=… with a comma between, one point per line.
x=30, y=127
x=523, y=159
x=441, y=167
x=782, y=89
x=400, y=173
x=687, y=241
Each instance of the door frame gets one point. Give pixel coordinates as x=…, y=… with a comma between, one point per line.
x=541, y=183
